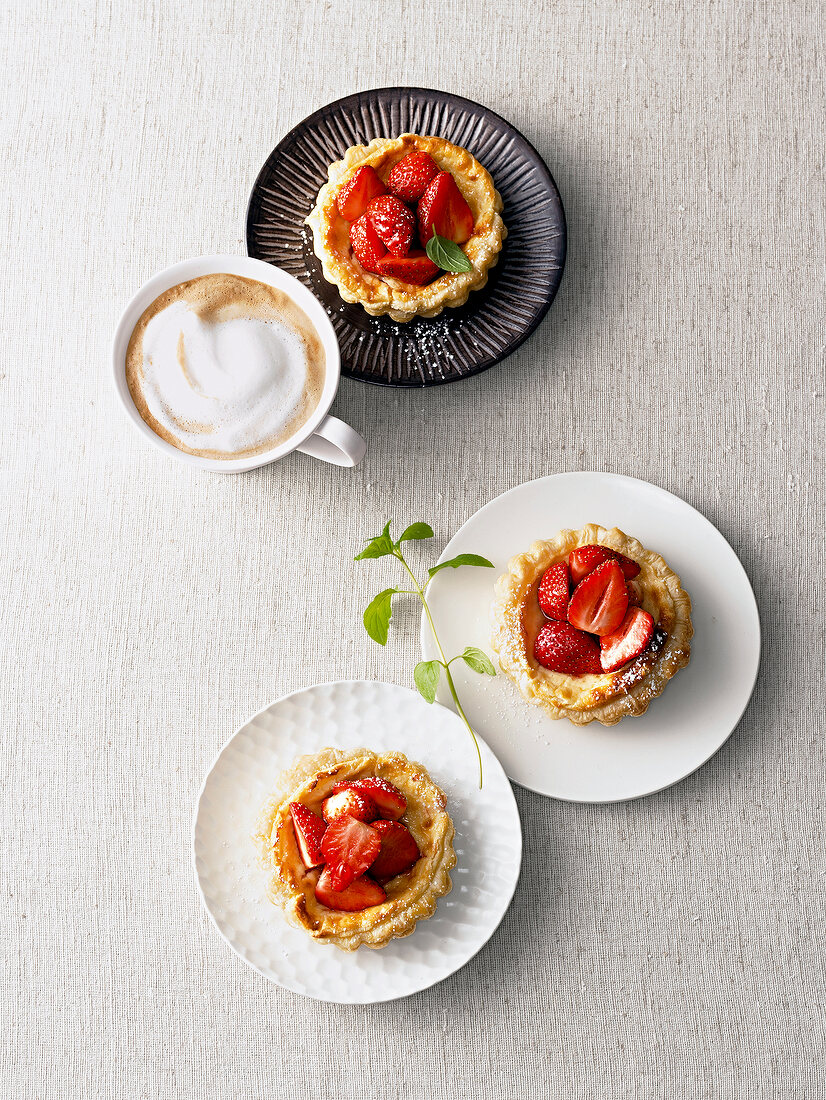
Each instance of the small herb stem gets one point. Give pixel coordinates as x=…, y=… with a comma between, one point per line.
x=445, y=663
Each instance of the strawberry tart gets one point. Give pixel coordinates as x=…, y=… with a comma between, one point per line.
x=358, y=846
x=590, y=625
x=407, y=226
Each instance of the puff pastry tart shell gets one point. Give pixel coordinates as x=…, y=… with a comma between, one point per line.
x=404, y=301
x=411, y=896
x=607, y=697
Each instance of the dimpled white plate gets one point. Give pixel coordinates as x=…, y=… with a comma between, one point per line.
x=348, y=715
x=700, y=706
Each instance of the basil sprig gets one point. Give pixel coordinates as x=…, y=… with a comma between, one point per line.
x=446, y=254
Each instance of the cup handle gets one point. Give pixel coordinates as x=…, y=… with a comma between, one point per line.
x=336, y=442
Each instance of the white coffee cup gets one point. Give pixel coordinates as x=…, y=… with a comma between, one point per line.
x=321, y=436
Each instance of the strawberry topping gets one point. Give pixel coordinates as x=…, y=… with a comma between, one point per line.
x=561, y=648
x=390, y=801
x=555, y=591
x=354, y=195
x=394, y=223
x=360, y=894
x=409, y=178
x=357, y=805
x=628, y=641
x=309, y=831
x=366, y=243
x=584, y=560
x=349, y=847
x=443, y=205
x=416, y=267
x=600, y=600
x=399, y=850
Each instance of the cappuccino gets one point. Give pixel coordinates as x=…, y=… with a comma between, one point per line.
x=225, y=367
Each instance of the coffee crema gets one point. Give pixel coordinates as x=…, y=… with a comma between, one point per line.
x=225, y=367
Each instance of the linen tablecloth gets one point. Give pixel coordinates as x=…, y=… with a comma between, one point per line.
x=671, y=946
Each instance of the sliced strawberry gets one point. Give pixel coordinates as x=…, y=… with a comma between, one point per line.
x=409, y=178
x=309, y=832
x=634, y=594
x=628, y=641
x=600, y=600
x=444, y=206
x=360, y=894
x=628, y=566
x=360, y=189
x=349, y=847
x=394, y=222
x=585, y=559
x=555, y=591
x=366, y=243
x=561, y=648
x=416, y=267
x=389, y=799
x=399, y=850
x=354, y=803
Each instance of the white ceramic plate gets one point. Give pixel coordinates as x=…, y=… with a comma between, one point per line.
x=698, y=709
x=352, y=714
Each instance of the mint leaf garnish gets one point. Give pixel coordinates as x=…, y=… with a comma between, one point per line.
x=446, y=254
x=426, y=674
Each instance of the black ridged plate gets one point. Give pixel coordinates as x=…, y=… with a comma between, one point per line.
x=459, y=342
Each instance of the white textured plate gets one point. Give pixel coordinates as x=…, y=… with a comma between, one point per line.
x=383, y=717
x=698, y=709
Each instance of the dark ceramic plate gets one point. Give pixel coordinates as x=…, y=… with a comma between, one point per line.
x=459, y=342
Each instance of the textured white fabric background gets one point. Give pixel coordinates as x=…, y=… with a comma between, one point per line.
x=668, y=947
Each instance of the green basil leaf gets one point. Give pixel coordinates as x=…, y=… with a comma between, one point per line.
x=416, y=531
x=478, y=660
x=461, y=559
x=426, y=675
x=378, y=547
x=377, y=615
x=446, y=254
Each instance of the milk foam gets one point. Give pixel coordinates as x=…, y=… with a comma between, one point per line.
x=227, y=386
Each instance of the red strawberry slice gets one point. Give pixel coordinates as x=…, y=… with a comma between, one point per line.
x=360, y=894
x=349, y=847
x=409, y=178
x=585, y=559
x=600, y=600
x=628, y=566
x=399, y=850
x=555, y=591
x=444, y=206
x=354, y=803
x=628, y=641
x=416, y=267
x=561, y=648
x=394, y=223
x=390, y=801
x=359, y=190
x=309, y=831
x=366, y=243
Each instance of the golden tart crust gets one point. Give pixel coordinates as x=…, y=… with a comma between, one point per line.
x=610, y=696
x=411, y=896
x=401, y=300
